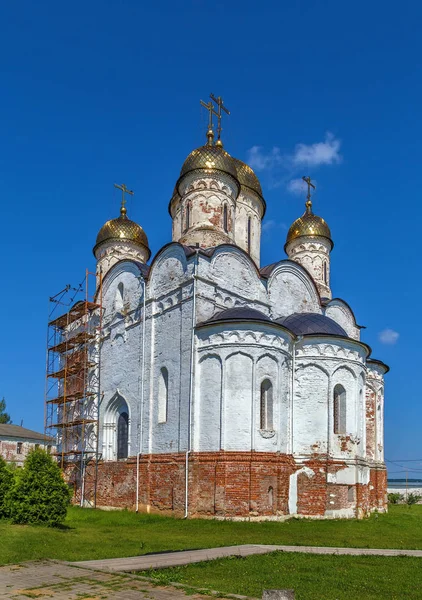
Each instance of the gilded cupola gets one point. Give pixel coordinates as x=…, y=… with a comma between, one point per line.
x=120, y=239
x=309, y=243
x=122, y=229
x=309, y=225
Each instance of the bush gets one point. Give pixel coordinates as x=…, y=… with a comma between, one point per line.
x=413, y=498
x=6, y=481
x=395, y=498
x=39, y=493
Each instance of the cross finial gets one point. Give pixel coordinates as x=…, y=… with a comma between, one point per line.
x=310, y=185
x=124, y=191
x=219, y=102
x=210, y=132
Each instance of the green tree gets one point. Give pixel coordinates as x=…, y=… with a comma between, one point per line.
x=6, y=481
x=39, y=493
x=4, y=416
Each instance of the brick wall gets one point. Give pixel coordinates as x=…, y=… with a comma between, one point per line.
x=232, y=484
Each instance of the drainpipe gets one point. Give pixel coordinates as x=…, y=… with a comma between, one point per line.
x=191, y=374
x=142, y=398
x=292, y=388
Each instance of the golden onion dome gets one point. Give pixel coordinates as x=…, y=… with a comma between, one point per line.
x=247, y=177
x=122, y=229
x=210, y=158
x=309, y=225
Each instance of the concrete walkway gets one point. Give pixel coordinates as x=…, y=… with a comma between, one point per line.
x=174, y=559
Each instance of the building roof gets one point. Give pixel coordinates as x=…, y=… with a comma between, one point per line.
x=311, y=323
x=239, y=314
x=16, y=431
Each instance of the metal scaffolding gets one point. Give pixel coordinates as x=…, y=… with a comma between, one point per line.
x=72, y=391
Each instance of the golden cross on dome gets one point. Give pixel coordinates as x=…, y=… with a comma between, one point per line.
x=124, y=191
x=210, y=132
x=219, y=102
x=310, y=185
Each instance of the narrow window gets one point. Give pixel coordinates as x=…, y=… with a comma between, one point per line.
x=249, y=235
x=225, y=219
x=163, y=395
x=122, y=435
x=350, y=493
x=270, y=496
x=266, y=404
x=19, y=448
x=339, y=409
x=325, y=272
x=187, y=216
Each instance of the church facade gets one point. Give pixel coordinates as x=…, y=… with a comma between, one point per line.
x=231, y=389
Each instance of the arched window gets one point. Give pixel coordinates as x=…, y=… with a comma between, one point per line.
x=339, y=409
x=187, y=216
x=325, y=271
x=122, y=435
x=225, y=219
x=249, y=235
x=119, y=299
x=163, y=395
x=266, y=420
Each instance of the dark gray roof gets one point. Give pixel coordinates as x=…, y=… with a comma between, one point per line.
x=311, y=323
x=15, y=431
x=239, y=314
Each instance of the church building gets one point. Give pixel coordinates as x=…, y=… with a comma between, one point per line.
x=231, y=389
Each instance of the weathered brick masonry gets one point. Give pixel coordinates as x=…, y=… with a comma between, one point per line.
x=234, y=484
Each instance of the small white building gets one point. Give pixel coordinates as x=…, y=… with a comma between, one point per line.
x=16, y=442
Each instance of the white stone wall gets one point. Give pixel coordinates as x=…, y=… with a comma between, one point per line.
x=314, y=255
x=341, y=313
x=249, y=208
x=112, y=252
x=230, y=361
x=203, y=198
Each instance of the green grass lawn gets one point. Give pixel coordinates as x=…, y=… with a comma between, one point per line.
x=91, y=534
x=312, y=577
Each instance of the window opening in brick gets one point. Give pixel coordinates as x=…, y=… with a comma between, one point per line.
x=163, y=395
x=225, y=219
x=122, y=435
x=19, y=448
x=266, y=420
x=351, y=493
x=270, y=496
x=339, y=409
x=325, y=272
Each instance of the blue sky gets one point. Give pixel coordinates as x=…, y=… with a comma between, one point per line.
x=100, y=92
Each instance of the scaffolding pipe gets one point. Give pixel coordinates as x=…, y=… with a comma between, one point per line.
x=141, y=416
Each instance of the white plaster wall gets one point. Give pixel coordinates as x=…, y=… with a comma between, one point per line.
x=230, y=360
x=291, y=290
x=121, y=352
x=341, y=314
x=312, y=254
x=249, y=205
x=241, y=356
x=112, y=252
x=206, y=194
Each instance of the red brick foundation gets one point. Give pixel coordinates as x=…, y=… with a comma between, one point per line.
x=232, y=484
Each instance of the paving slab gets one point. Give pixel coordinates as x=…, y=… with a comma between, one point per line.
x=186, y=557
x=56, y=580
